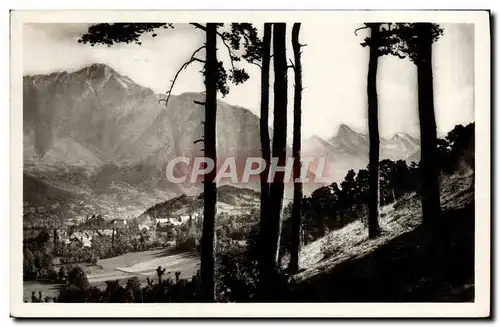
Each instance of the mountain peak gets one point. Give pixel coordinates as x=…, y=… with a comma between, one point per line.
x=315, y=140
x=403, y=136
x=345, y=130
x=97, y=70
x=100, y=66
x=316, y=137
x=399, y=135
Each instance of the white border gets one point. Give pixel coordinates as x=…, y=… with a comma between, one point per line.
x=480, y=308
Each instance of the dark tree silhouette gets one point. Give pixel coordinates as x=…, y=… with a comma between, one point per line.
x=379, y=43
x=296, y=150
x=258, y=52
x=210, y=189
x=159, y=273
x=216, y=79
x=374, y=156
x=264, y=130
x=272, y=236
x=414, y=41
x=431, y=206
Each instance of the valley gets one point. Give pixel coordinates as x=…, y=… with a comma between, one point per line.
x=105, y=151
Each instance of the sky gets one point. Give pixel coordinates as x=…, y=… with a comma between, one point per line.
x=334, y=73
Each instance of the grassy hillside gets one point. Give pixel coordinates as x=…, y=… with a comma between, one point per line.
x=230, y=200
x=401, y=265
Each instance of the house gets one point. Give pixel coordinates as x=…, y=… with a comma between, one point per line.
x=162, y=221
x=84, y=239
x=105, y=232
x=185, y=218
x=118, y=222
x=143, y=227
x=168, y=221
x=77, y=220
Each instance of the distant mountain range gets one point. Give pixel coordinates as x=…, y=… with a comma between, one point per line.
x=349, y=149
x=97, y=142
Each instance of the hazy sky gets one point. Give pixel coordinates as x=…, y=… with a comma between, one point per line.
x=334, y=69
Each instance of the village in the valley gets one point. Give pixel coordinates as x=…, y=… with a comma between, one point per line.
x=81, y=230
x=86, y=240
x=166, y=237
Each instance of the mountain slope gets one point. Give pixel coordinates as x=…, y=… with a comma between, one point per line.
x=230, y=200
x=114, y=134
x=95, y=106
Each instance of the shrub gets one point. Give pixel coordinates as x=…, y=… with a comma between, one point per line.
x=237, y=273
x=329, y=246
x=188, y=243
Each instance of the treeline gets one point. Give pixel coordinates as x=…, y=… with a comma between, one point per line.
x=78, y=290
x=332, y=207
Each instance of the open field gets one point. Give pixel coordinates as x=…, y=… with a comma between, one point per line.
x=141, y=264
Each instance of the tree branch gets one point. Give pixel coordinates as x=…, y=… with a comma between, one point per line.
x=198, y=59
x=228, y=49
x=184, y=66
x=255, y=63
x=197, y=25
x=359, y=29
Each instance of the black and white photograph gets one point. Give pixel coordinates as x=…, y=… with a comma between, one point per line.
x=262, y=159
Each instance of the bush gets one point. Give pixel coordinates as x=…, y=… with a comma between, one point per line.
x=188, y=243
x=237, y=273
x=329, y=246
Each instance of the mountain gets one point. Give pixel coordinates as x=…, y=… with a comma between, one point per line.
x=349, y=149
x=105, y=141
x=400, y=146
x=348, y=142
x=95, y=108
x=101, y=133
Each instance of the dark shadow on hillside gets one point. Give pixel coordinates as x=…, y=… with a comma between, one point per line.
x=410, y=268
x=174, y=251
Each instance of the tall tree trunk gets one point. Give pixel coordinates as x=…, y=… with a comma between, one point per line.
x=296, y=149
x=207, y=265
x=373, y=165
x=431, y=207
x=264, y=135
x=273, y=226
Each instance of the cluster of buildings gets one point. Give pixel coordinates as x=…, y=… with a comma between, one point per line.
x=82, y=237
x=177, y=221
